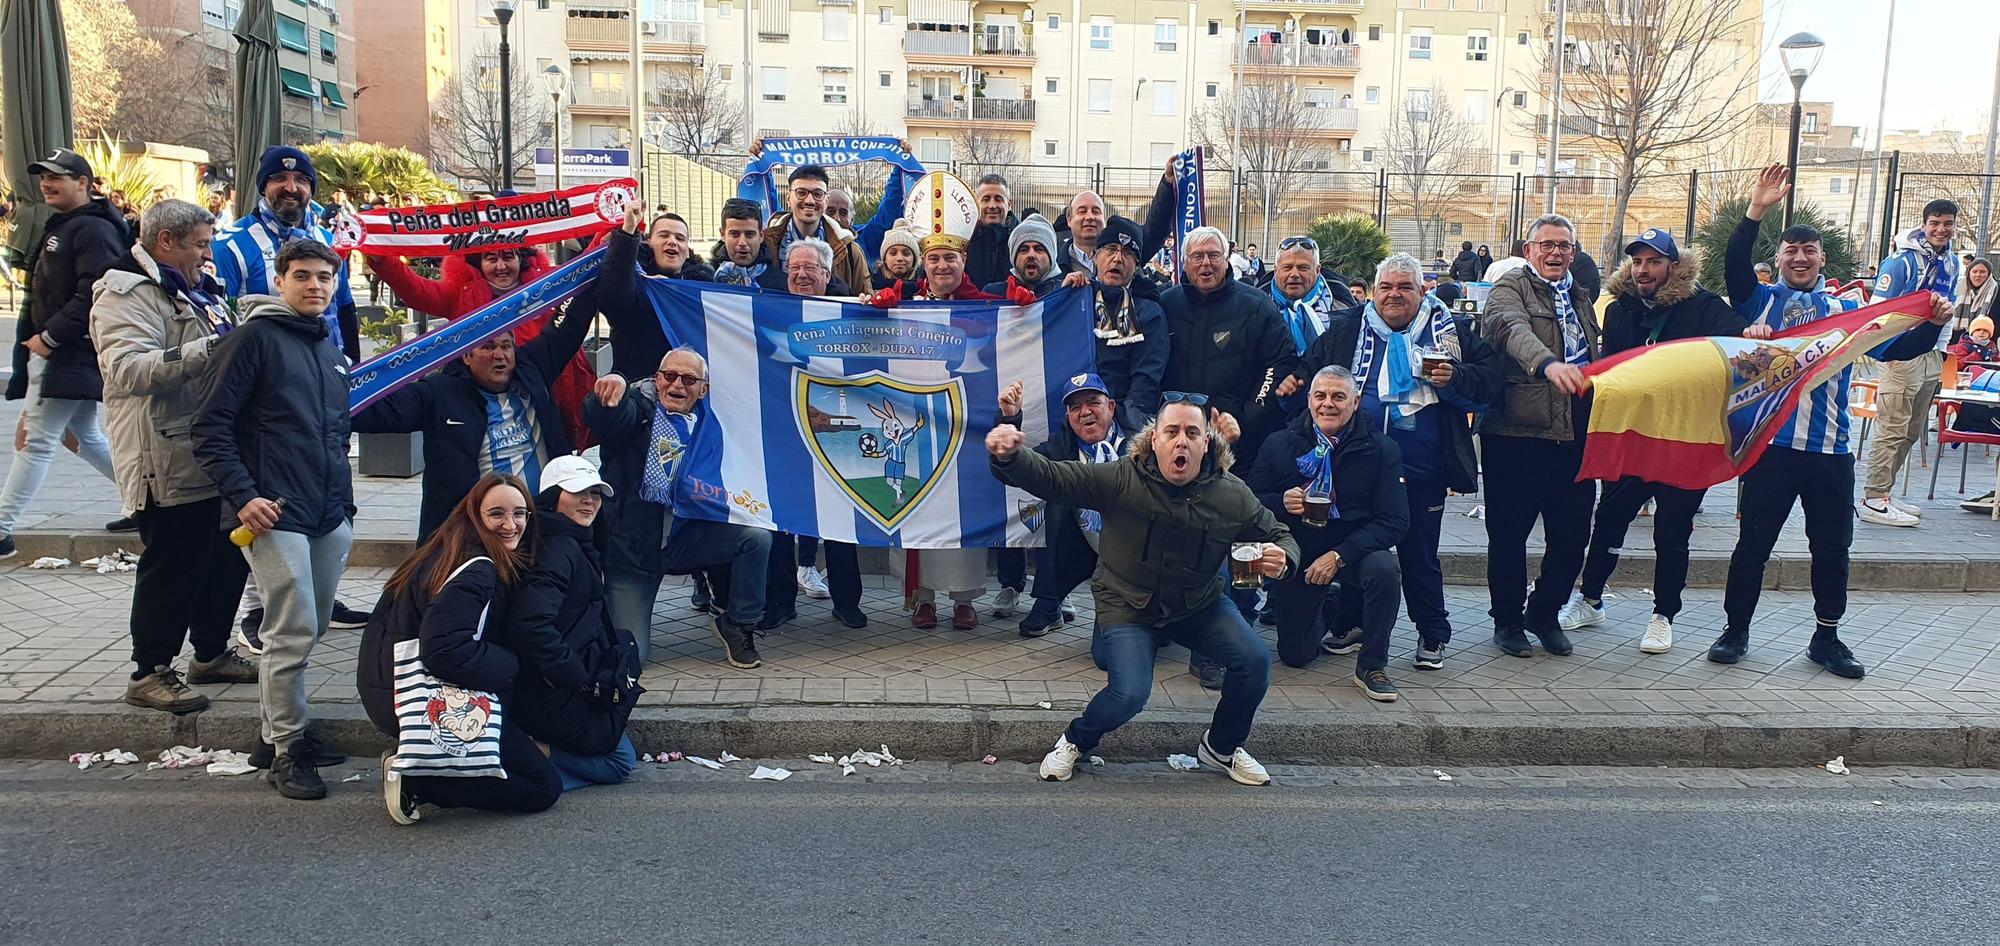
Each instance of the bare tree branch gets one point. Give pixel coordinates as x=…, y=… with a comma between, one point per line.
x=1647, y=80
x=464, y=134
x=1424, y=146
x=701, y=115
x=1283, y=137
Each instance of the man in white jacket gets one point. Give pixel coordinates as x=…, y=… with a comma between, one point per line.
x=154, y=318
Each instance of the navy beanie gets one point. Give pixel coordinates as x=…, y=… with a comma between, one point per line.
x=282, y=158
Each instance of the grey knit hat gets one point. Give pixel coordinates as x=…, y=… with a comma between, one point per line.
x=1032, y=229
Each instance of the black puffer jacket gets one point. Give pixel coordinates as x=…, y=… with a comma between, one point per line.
x=81, y=244
x=1231, y=345
x=637, y=340
x=1680, y=309
x=573, y=690
x=986, y=258
x=1466, y=268
x=453, y=631
x=638, y=529
x=274, y=422
x=1367, y=488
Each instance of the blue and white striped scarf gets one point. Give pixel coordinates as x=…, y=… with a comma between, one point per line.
x=1399, y=384
x=1103, y=451
x=1576, y=347
x=1316, y=465
x=1306, y=317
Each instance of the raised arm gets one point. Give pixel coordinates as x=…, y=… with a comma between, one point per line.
x=1070, y=482
x=433, y=296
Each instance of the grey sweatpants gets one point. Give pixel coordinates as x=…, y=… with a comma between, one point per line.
x=298, y=575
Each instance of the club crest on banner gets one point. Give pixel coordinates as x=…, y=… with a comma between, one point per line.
x=1031, y=511
x=1761, y=378
x=885, y=442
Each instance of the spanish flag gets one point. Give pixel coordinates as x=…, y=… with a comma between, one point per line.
x=1699, y=411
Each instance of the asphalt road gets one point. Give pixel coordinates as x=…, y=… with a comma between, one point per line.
x=974, y=855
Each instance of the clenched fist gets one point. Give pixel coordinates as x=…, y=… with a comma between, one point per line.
x=1005, y=441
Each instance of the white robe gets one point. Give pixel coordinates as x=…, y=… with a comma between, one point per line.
x=960, y=573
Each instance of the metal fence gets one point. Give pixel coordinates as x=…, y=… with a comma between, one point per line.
x=1424, y=215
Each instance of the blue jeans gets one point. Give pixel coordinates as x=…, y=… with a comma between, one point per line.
x=699, y=543
x=630, y=596
x=583, y=771
x=1129, y=650
x=48, y=419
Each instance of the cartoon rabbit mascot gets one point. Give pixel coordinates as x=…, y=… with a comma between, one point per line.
x=896, y=444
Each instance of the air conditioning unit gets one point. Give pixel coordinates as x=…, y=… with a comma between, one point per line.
x=649, y=28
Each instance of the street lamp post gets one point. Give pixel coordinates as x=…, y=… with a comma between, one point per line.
x=557, y=82
x=503, y=11
x=1800, y=52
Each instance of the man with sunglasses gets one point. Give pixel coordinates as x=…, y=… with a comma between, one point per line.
x=806, y=192
x=1542, y=322
x=492, y=411
x=648, y=430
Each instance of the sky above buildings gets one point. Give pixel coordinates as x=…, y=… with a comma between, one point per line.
x=1940, y=67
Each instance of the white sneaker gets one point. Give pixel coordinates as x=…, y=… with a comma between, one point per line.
x=1061, y=761
x=1906, y=507
x=1580, y=613
x=812, y=583
x=1006, y=602
x=1882, y=513
x=1239, y=766
x=1659, y=635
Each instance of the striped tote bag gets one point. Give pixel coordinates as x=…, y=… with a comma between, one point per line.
x=443, y=729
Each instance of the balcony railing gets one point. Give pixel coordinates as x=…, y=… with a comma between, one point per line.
x=600, y=98
x=1335, y=118
x=932, y=43
x=608, y=31
x=993, y=110
x=1299, y=55
x=983, y=45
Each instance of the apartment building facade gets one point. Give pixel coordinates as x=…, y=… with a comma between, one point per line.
x=316, y=56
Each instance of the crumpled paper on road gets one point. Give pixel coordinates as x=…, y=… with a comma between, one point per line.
x=859, y=757
x=1837, y=765
x=118, y=560
x=705, y=763
x=1183, y=763
x=767, y=774
x=49, y=561
x=84, y=760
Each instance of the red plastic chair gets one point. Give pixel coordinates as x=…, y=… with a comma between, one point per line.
x=1947, y=411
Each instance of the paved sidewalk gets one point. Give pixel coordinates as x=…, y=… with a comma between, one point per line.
x=64, y=639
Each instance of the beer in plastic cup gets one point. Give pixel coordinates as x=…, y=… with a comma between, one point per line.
x=1243, y=559
x=1317, y=507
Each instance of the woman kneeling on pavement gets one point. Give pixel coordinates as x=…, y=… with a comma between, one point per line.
x=445, y=598
x=579, y=676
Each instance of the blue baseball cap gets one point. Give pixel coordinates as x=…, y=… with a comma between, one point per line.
x=1656, y=239
x=1079, y=383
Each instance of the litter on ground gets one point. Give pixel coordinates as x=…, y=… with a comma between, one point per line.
x=1183, y=763
x=848, y=762
x=1045, y=704
x=1838, y=765
x=118, y=560
x=705, y=763
x=990, y=760
x=84, y=760
x=1442, y=776
x=49, y=561
x=727, y=757
x=767, y=774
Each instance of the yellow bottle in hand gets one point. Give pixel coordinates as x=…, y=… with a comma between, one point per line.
x=241, y=536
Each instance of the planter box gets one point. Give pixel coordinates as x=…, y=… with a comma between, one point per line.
x=399, y=455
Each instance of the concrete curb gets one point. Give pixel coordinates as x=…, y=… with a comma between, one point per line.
x=1788, y=571
x=963, y=733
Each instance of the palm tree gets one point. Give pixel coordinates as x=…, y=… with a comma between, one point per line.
x=364, y=170
x=1349, y=244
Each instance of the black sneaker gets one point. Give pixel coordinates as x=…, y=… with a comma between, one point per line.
x=1729, y=648
x=321, y=752
x=1978, y=504
x=775, y=617
x=1040, y=621
x=7, y=549
x=348, y=619
x=1555, y=641
x=1513, y=641
x=1376, y=684
x=249, y=632
x=1207, y=671
x=852, y=617
x=295, y=776
x=739, y=644
x=1827, y=651
x=700, y=599
x=122, y=524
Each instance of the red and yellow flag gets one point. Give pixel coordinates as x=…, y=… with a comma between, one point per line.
x=1699, y=411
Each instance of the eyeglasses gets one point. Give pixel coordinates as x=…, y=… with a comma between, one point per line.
x=1291, y=243
x=670, y=378
x=1182, y=397
x=805, y=194
x=1552, y=246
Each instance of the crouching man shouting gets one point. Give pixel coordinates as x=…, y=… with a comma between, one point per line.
x=1171, y=513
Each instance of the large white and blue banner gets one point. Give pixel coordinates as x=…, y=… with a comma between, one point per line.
x=843, y=421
